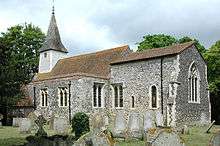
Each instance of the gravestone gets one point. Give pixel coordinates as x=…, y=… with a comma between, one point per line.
x=215, y=141
x=148, y=121
x=40, y=121
x=134, y=126
x=185, y=129
x=159, y=119
x=32, y=116
x=61, y=125
x=25, y=125
x=119, y=125
x=16, y=122
x=1, y=117
x=166, y=138
x=203, y=119
x=97, y=136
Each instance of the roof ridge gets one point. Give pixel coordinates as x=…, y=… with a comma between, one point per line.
x=101, y=51
x=155, y=52
x=174, y=45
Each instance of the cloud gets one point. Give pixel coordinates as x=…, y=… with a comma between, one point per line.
x=89, y=25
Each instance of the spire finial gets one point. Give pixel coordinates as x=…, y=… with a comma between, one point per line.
x=53, y=8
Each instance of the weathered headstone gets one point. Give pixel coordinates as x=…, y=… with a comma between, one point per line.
x=16, y=122
x=148, y=121
x=215, y=141
x=166, y=138
x=61, y=125
x=25, y=125
x=40, y=121
x=203, y=119
x=32, y=116
x=134, y=126
x=185, y=129
x=119, y=125
x=159, y=118
x=1, y=117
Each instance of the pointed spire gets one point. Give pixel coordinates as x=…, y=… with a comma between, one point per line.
x=52, y=40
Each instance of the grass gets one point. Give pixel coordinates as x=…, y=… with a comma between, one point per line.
x=10, y=136
x=130, y=143
x=197, y=137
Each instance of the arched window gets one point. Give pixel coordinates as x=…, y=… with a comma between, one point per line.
x=132, y=102
x=193, y=84
x=97, y=95
x=63, y=97
x=154, y=97
x=118, y=95
x=44, y=97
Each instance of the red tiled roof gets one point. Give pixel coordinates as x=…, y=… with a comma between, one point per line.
x=94, y=64
x=153, y=53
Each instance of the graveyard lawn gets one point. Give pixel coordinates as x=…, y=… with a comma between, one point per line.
x=196, y=137
x=11, y=136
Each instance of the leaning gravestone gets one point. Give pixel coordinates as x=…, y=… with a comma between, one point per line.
x=134, y=124
x=61, y=125
x=25, y=125
x=159, y=119
x=119, y=125
x=166, y=138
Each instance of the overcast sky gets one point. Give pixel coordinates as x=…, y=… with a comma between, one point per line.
x=90, y=25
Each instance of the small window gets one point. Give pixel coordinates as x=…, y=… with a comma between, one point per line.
x=44, y=97
x=132, y=101
x=118, y=96
x=63, y=97
x=45, y=55
x=154, y=97
x=97, y=95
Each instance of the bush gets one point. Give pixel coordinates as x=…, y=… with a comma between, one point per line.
x=80, y=124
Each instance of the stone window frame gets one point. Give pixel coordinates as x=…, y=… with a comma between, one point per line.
x=65, y=98
x=157, y=97
x=43, y=97
x=120, y=97
x=191, y=84
x=99, y=95
x=133, y=102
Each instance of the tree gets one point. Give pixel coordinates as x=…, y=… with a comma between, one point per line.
x=156, y=41
x=80, y=124
x=212, y=56
x=162, y=40
x=19, y=54
x=200, y=47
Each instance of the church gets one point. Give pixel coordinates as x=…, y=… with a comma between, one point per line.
x=170, y=80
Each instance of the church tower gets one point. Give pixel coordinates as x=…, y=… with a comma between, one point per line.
x=52, y=49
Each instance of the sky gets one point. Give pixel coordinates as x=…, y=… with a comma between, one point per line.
x=91, y=25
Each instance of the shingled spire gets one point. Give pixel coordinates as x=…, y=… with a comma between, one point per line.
x=53, y=41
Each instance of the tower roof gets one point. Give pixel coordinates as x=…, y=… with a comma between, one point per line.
x=53, y=41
